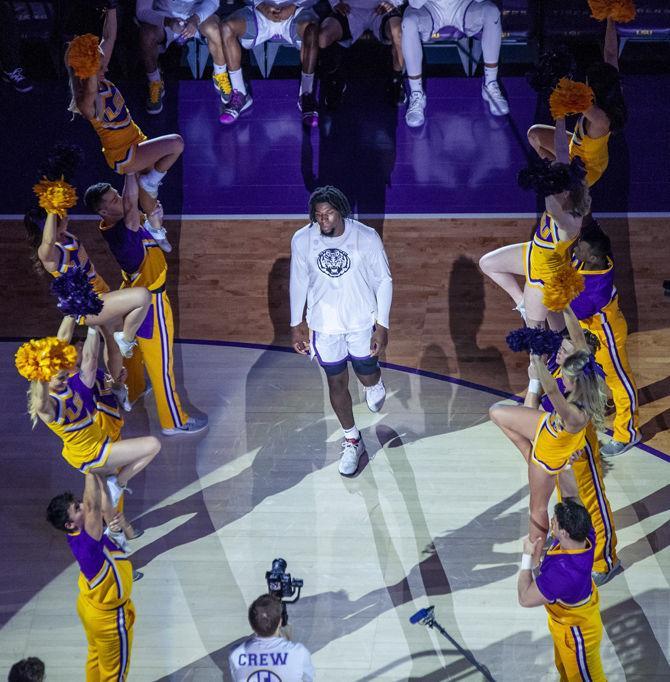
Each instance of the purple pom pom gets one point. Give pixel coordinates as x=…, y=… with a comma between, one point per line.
x=550, y=68
x=75, y=293
x=535, y=341
x=549, y=177
x=62, y=162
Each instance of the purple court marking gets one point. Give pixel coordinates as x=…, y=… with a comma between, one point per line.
x=388, y=365
x=462, y=161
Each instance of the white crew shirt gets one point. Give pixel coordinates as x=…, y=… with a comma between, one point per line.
x=345, y=280
x=287, y=661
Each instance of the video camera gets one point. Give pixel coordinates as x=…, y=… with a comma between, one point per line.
x=282, y=586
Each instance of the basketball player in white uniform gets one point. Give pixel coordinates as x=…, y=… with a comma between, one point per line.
x=339, y=268
x=423, y=18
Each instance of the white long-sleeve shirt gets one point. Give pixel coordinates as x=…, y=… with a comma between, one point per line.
x=346, y=280
x=155, y=11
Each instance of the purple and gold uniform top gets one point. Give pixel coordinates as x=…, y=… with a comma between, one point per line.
x=105, y=574
x=141, y=259
x=115, y=127
x=599, y=292
x=565, y=580
x=68, y=249
x=83, y=440
x=101, y=403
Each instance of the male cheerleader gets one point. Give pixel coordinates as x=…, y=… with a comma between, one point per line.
x=297, y=24
x=164, y=21
x=347, y=22
x=340, y=270
x=565, y=589
x=143, y=265
x=105, y=581
x=422, y=18
x=597, y=309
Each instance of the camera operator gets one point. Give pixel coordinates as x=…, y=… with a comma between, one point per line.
x=267, y=651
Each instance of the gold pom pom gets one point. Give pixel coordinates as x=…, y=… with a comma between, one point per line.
x=621, y=11
x=570, y=97
x=564, y=286
x=55, y=196
x=83, y=55
x=43, y=359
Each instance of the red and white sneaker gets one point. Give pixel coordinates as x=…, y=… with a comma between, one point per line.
x=352, y=451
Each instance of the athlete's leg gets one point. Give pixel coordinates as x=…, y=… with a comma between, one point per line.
x=130, y=304
x=541, y=488
x=340, y=398
x=518, y=423
x=86, y=616
x=536, y=312
x=115, y=643
x=130, y=456
x=111, y=353
x=159, y=153
x=211, y=29
x=231, y=31
x=412, y=50
x=330, y=32
x=151, y=37
x=308, y=32
x=502, y=266
x=393, y=31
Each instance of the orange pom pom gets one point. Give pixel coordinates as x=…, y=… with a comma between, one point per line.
x=55, y=196
x=83, y=55
x=43, y=359
x=621, y=11
x=570, y=97
x=564, y=286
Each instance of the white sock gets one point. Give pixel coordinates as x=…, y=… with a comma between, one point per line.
x=155, y=176
x=306, y=83
x=352, y=434
x=415, y=84
x=220, y=69
x=237, y=81
x=490, y=74
x=154, y=76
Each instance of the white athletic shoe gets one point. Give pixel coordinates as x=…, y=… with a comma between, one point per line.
x=149, y=186
x=352, y=451
x=115, y=490
x=160, y=235
x=375, y=396
x=192, y=425
x=615, y=447
x=492, y=94
x=119, y=538
x=121, y=395
x=414, y=116
x=126, y=347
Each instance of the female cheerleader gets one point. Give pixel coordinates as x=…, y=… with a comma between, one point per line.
x=86, y=446
x=548, y=251
x=548, y=440
x=125, y=147
x=58, y=250
x=607, y=115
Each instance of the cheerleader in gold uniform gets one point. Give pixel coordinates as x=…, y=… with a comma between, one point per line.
x=58, y=250
x=549, y=250
x=125, y=147
x=591, y=136
x=548, y=441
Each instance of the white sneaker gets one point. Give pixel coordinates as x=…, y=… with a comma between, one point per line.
x=115, y=490
x=192, y=425
x=119, y=538
x=126, y=347
x=492, y=94
x=414, y=116
x=615, y=447
x=375, y=396
x=160, y=235
x=352, y=451
x=121, y=395
x=149, y=186
x=521, y=309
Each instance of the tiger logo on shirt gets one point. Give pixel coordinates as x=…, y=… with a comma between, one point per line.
x=333, y=262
